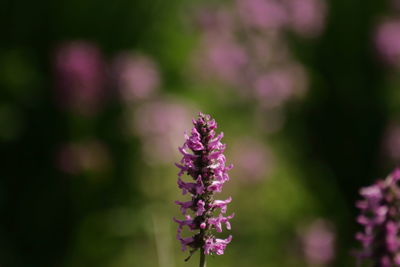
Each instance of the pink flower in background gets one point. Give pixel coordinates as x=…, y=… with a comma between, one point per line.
x=318, y=242
x=159, y=124
x=80, y=77
x=268, y=50
x=307, y=17
x=137, y=76
x=252, y=159
x=224, y=58
x=387, y=39
x=277, y=86
x=274, y=88
x=262, y=14
x=218, y=21
x=246, y=48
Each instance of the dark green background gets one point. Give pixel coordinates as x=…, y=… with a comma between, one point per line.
x=335, y=132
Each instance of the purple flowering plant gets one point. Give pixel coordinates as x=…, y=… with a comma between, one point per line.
x=204, y=161
x=380, y=218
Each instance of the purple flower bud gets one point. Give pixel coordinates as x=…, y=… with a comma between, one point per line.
x=203, y=160
x=379, y=215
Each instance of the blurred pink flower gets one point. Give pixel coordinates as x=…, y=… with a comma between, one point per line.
x=262, y=14
x=252, y=160
x=318, y=242
x=387, y=39
x=137, y=76
x=274, y=88
x=307, y=17
x=268, y=49
x=277, y=86
x=219, y=21
x=391, y=142
x=80, y=77
x=245, y=47
x=91, y=155
x=159, y=125
x=223, y=58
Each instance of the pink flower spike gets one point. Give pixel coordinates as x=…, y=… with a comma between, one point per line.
x=380, y=213
x=203, y=160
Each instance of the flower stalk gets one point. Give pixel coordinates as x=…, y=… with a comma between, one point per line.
x=202, y=258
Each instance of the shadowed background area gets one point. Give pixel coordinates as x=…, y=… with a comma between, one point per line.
x=96, y=95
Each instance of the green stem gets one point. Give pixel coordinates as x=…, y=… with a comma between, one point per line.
x=202, y=258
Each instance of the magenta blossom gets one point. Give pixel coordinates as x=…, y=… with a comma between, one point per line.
x=137, y=76
x=203, y=160
x=318, y=242
x=262, y=14
x=387, y=39
x=380, y=218
x=79, y=70
x=307, y=17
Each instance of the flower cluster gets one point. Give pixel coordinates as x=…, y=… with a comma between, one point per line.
x=205, y=163
x=380, y=217
x=245, y=45
x=387, y=40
